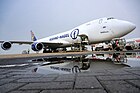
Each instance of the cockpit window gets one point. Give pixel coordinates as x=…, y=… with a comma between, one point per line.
x=104, y=26
x=110, y=18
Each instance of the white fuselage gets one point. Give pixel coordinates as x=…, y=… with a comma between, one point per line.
x=100, y=30
x=96, y=31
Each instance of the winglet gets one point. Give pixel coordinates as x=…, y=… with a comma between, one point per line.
x=33, y=38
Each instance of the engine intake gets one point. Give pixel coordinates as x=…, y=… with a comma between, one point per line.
x=37, y=46
x=6, y=45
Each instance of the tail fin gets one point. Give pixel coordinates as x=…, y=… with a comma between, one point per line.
x=33, y=38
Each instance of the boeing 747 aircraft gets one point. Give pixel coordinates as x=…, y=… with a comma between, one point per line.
x=96, y=31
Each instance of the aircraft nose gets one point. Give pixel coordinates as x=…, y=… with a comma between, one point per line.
x=122, y=28
x=129, y=26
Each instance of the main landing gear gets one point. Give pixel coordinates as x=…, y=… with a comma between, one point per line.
x=49, y=50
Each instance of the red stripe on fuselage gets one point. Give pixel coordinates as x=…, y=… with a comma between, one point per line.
x=138, y=40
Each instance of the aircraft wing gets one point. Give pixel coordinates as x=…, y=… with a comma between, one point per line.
x=54, y=43
x=49, y=43
x=18, y=42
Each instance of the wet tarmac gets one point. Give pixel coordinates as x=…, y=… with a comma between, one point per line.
x=92, y=73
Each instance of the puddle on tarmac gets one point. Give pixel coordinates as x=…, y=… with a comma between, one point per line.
x=133, y=59
x=87, y=63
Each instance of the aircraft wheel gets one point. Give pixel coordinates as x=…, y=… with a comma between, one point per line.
x=44, y=51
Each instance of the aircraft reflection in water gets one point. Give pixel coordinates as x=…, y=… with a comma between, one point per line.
x=64, y=65
x=87, y=63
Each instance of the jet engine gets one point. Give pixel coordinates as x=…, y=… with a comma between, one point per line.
x=37, y=46
x=6, y=45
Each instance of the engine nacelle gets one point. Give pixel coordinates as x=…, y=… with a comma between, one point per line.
x=6, y=45
x=37, y=46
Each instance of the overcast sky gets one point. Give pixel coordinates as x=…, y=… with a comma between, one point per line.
x=48, y=17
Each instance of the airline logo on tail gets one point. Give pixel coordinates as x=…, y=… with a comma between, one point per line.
x=33, y=38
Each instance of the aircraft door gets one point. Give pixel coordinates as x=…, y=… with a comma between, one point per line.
x=106, y=31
